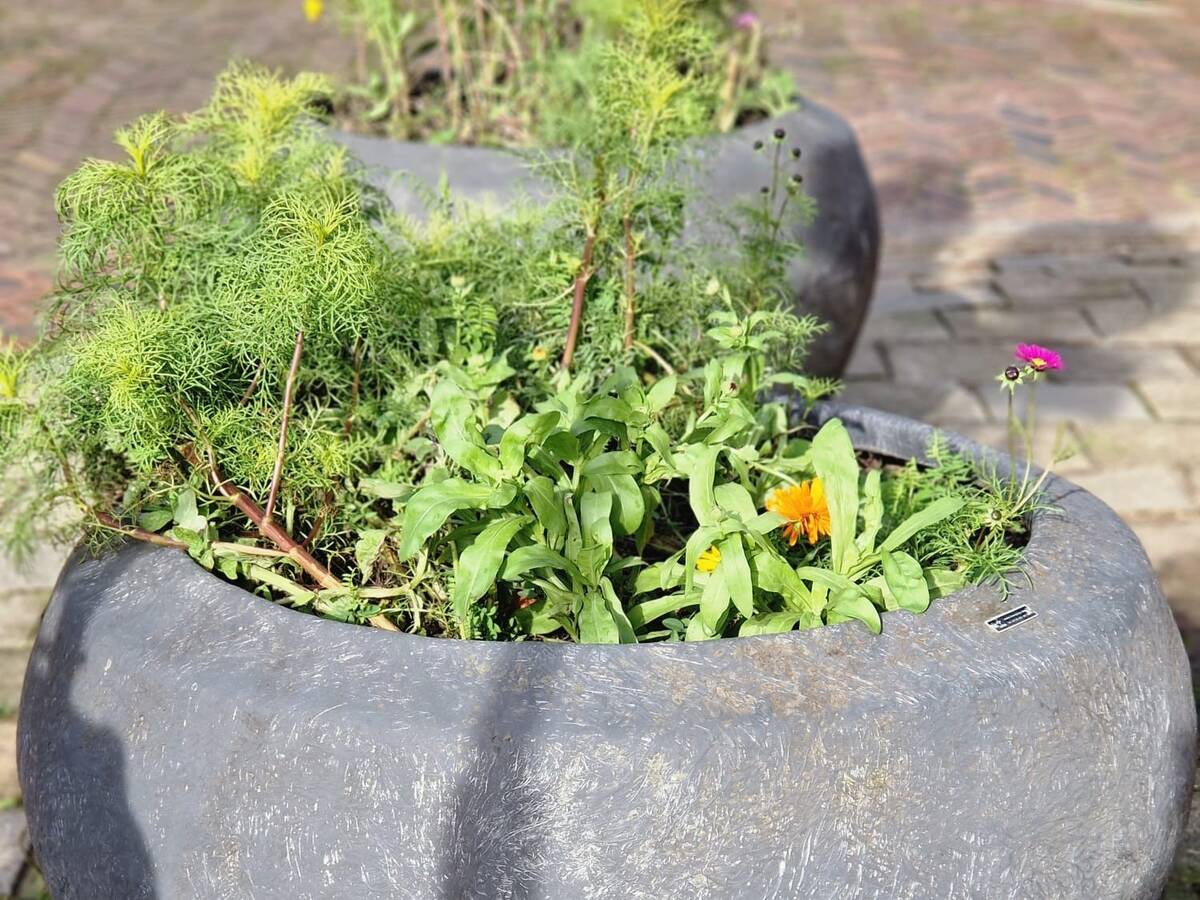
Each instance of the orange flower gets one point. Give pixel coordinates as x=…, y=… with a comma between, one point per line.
x=804, y=506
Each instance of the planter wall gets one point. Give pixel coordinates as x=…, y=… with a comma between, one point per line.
x=180, y=738
x=833, y=280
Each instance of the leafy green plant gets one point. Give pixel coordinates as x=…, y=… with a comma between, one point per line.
x=562, y=423
x=520, y=72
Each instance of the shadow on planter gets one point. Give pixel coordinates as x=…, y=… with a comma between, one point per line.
x=81, y=782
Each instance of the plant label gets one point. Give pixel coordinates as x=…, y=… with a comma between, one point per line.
x=1011, y=619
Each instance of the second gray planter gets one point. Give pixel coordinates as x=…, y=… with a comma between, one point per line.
x=833, y=280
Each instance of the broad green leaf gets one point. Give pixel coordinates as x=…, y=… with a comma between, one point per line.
x=662, y=393
x=735, y=570
x=388, y=490
x=479, y=564
x=698, y=631
x=428, y=509
x=775, y=575
x=453, y=419
x=526, y=431
x=701, y=539
x=660, y=576
x=906, y=582
x=872, y=514
x=826, y=578
x=701, y=495
x=185, y=514
x=836, y=466
x=367, y=548
x=766, y=522
x=617, y=611
x=542, y=617
x=714, y=601
x=629, y=507
x=547, y=506
x=596, y=623
x=155, y=519
x=930, y=515
x=656, y=436
x=536, y=556
x=648, y=611
x=943, y=582
x=735, y=499
x=770, y=623
x=610, y=408
x=615, y=462
x=596, y=533
x=853, y=604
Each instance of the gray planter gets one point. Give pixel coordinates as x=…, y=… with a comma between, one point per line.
x=180, y=738
x=834, y=279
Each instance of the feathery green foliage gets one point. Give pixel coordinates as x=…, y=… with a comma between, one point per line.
x=523, y=426
x=525, y=73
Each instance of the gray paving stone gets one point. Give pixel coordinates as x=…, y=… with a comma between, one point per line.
x=1138, y=490
x=1044, y=446
x=14, y=849
x=1171, y=289
x=1049, y=326
x=866, y=362
x=10, y=789
x=940, y=404
x=13, y=660
x=1041, y=289
x=912, y=325
x=980, y=361
x=1136, y=324
x=1071, y=402
x=908, y=299
x=1174, y=400
x=1113, y=444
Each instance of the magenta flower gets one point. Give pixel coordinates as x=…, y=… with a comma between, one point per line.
x=1040, y=359
x=746, y=20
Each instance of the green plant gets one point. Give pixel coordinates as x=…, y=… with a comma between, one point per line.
x=560, y=423
x=519, y=72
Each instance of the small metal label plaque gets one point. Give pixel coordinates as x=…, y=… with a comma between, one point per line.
x=1011, y=619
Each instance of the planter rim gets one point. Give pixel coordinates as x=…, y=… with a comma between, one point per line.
x=1042, y=529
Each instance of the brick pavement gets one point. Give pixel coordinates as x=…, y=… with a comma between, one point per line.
x=1038, y=163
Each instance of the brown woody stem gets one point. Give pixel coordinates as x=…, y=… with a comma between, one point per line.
x=111, y=522
x=581, y=280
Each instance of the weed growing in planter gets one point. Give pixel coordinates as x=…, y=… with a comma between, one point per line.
x=564, y=423
x=520, y=73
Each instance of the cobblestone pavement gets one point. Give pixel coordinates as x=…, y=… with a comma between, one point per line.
x=1038, y=163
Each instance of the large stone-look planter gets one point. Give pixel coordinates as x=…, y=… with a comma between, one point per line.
x=180, y=738
x=833, y=280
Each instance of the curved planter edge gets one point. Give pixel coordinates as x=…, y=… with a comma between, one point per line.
x=182, y=738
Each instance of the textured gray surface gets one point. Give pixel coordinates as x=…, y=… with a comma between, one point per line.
x=183, y=739
x=834, y=279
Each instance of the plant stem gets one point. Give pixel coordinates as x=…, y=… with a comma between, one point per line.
x=288, y=390
x=630, y=290
x=1012, y=425
x=253, y=385
x=348, y=425
x=581, y=280
x=113, y=524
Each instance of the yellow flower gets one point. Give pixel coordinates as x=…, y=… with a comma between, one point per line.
x=709, y=560
x=805, y=508
x=539, y=354
x=313, y=9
